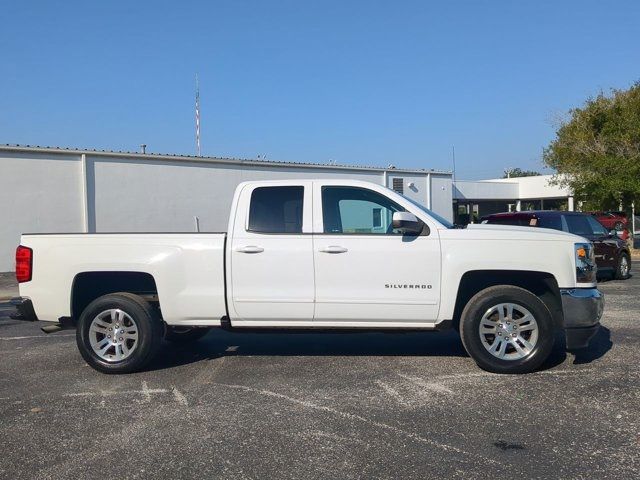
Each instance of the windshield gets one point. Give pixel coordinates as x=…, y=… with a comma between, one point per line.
x=432, y=214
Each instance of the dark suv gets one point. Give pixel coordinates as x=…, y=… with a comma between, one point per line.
x=612, y=253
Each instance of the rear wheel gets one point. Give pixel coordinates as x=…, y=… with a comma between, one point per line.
x=507, y=329
x=184, y=334
x=623, y=268
x=118, y=333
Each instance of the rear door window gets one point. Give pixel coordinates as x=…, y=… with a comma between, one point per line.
x=276, y=210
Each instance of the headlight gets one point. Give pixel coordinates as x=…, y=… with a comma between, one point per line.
x=585, y=263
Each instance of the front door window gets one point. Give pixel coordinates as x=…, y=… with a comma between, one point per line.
x=357, y=211
x=597, y=227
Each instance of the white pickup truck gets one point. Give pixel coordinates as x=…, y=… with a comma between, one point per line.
x=315, y=254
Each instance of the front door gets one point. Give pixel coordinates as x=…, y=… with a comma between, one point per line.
x=365, y=271
x=271, y=257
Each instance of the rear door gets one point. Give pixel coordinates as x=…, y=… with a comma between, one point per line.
x=271, y=278
x=365, y=270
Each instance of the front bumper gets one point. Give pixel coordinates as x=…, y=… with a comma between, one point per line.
x=582, y=309
x=24, y=309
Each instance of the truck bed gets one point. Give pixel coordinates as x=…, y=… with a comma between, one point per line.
x=187, y=269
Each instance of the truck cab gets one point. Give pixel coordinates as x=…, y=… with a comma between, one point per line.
x=329, y=252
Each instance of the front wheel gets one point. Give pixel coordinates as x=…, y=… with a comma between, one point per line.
x=507, y=329
x=118, y=333
x=623, y=268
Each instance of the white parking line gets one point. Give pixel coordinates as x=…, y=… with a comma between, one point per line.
x=392, y=392
x=38, y=336
x=426, y=386
x=145, y=392
x=179, y=396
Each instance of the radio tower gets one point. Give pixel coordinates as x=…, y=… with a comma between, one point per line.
x=198, y=153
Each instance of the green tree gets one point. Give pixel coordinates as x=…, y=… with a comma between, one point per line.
x=596, y=151
x=518, y=172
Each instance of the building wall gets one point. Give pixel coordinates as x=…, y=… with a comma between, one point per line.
x=165, y=196
x=486, y=190
x=441, y=191
x=38, y=193
x=415, y=187
x=529, y=187
x=44, y=192
x=541, y=187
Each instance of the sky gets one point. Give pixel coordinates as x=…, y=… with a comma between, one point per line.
x=351, y=82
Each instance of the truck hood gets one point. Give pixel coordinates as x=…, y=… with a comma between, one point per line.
x=509, y=232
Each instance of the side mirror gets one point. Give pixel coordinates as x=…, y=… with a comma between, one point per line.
x=407, y=222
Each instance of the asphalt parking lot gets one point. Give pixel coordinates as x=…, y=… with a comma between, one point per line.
x=322, y=406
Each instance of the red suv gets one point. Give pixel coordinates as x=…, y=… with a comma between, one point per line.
x=612, y=253
x=614, y=221
x=611, y=220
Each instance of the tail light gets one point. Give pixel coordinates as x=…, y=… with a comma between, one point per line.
x=24, y=264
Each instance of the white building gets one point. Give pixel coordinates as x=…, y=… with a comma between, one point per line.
x=475, y=199
x=71, y=190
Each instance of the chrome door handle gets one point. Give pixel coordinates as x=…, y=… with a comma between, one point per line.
x=250, y=249
x=333, y=249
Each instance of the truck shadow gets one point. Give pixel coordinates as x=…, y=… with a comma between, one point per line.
x=598, y=347
x=220, y=343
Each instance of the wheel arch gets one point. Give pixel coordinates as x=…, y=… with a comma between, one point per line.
x=87, y=286
x=542, y=284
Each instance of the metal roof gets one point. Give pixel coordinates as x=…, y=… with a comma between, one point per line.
x=223, y=160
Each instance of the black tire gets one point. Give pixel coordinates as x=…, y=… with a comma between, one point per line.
x=184, y=334
x=149, y=332
x=620, y=273
x=490, y=297
x=618, y=226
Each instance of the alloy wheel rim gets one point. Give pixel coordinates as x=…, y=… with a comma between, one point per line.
x=624, y=266
x=508, y=331
x=113, y=335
